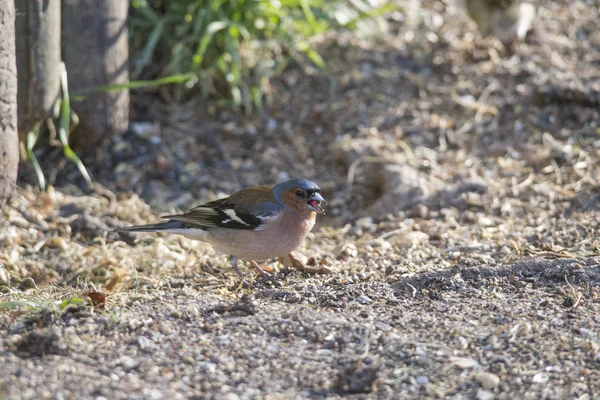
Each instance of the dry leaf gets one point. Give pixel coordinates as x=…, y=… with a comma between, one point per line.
x=98, y=298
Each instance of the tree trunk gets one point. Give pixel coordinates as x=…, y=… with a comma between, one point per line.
x=96, y=52
x=38, y=58
x=9, y=150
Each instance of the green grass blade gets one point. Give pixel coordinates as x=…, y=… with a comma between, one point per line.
x=310, y=17
x=65, y=123
x=73, y=300
x=312, y=55
x=141, y=6
x=13, y=305
x=167, y=80
x=70, y=154
x=149, y=48
x=373, y=13
x=32, y=138
x=211, y=30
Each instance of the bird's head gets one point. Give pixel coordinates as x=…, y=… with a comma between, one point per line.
x=300, y=195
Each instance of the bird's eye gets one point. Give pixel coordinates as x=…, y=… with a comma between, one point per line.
x=300, y=193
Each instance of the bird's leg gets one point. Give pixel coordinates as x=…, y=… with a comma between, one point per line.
x=261, y=272
x=233, y=260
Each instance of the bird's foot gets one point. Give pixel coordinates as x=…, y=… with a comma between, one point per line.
x=309, y=266
x=261, y=273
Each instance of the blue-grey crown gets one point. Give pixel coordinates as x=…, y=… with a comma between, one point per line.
x=303, y=184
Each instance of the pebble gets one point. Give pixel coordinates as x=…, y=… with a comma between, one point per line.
x=145, y=129
x=4, y=277
x=464, y=362
x=541, y=377
x=347, y=249
x=382, y=326
x=19, y=222
x=143, y=342
x=271, y=125
x=364, y=222
x=364, y=299
x=487, y=380
x=423, y=361
x=485, y=395
x=156, y=394
x=56, y=242
x=422, y=380
x=128, y=363
x=134, y=324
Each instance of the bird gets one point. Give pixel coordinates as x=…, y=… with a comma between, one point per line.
x=508, y=20
x=255, y=223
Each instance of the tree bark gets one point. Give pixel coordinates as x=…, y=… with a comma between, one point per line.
x=38, y=58
x=96, y=52
x=9, y=147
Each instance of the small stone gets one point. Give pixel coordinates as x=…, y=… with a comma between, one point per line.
x=135, y=324
x=145, y=129
x=485, y=221
x=485, y=395
x=464, y=362
x=423, y=361
x=156, y=394
x=231, y=396
x=487, y=380
x=282, y=176
x=364, y=300
x=541, y=377
x=128, y=363
x=4, y=277
x=19, y=222
x=588, y=333
x=382, y=326
x=347, y=249
x=56, y=242
x=384, y=245
x=419, y=211
x=409, y=239
x=364, y=222
x=494, y=342
x=271, y=125
x=143, y=342
x=422, y=380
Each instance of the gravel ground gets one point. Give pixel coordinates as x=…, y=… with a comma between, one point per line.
x=461, y=244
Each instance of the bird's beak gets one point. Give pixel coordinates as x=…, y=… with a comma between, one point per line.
x=314, y=203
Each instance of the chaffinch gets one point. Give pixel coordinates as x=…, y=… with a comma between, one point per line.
x=256, y=223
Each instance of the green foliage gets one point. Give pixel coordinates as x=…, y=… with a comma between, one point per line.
x=64, y=127
x=67, y=121
x=232, y=46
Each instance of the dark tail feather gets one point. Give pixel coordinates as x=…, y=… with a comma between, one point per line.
x=161, y=226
